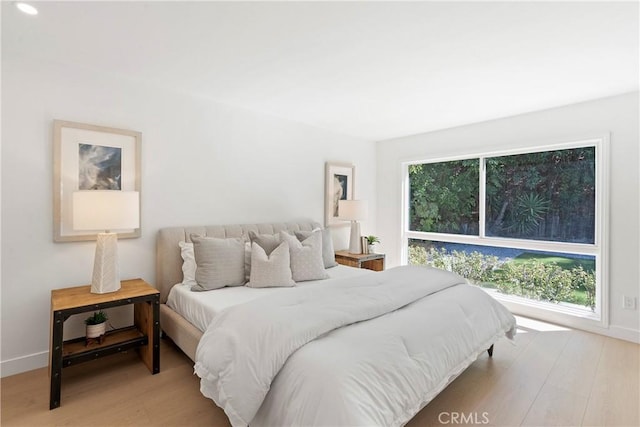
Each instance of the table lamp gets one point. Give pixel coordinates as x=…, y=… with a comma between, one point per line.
x=106, y=211
x=354, y=211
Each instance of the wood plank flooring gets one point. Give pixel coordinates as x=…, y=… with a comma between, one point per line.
x=552, y=376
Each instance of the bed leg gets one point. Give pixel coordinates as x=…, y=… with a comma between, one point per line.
x=490, y=351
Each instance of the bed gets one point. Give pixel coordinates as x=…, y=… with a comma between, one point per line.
x=360, y=348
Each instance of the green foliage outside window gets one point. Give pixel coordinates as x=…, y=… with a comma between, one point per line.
x=444, y=197
x=547, y=196
x=531, y=279
x=542, y=196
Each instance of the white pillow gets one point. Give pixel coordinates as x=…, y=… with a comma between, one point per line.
x=188, y=263
x=306, y=257
x=270, y=270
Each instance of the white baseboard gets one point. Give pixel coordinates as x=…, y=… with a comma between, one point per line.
x=626, y=334
x=570, y=321
x=611, y=331
x=24, y=363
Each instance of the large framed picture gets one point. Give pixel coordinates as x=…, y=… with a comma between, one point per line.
x=89, y=157
x=339, y=185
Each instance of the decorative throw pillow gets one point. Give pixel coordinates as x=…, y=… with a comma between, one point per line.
x=219, y=262
x=328, y=254
x=270, y=270
x=268, y=241
x=306, y=257
x=188, y=263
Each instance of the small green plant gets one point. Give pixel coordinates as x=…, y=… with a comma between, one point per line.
x=96, y=318
x=372, y=240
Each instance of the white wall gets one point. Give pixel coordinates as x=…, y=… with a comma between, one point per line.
x=618, y=115
x=202, y=163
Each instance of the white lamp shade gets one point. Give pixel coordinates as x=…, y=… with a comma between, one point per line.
x=106, y=210
x=352, y=210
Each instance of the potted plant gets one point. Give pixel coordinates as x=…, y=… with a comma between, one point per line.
x=371, y=241
x=96, y=326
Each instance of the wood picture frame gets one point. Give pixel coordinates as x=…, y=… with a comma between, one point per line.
x=90, y=157
x=339, y=185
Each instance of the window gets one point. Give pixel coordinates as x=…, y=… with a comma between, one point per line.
x=444, y=197
x=525, y=225
x=542, y=196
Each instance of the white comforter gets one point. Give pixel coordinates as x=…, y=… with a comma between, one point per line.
x=309, y=358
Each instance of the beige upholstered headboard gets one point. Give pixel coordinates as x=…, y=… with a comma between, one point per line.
x=169, y=261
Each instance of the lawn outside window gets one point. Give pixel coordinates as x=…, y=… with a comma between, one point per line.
x=526, y=225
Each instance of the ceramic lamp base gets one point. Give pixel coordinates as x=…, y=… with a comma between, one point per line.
x=355, y=244
x=106, y=277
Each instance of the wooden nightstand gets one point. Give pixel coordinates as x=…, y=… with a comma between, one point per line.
x=144, y=334
x=373, y=262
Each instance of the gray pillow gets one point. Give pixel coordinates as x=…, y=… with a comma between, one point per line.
x=328, y=254
x=270, y=270
x=306, y=257
x=219, y=262
x=268, y=241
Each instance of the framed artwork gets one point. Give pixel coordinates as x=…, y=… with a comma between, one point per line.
x=339, y=185
x=89, y=157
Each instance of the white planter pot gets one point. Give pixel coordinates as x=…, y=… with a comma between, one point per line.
x=95, y=331
x=372, y=249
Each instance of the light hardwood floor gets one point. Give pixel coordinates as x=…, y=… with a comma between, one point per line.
x=551, y=376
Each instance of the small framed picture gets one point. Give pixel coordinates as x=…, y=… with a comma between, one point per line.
x=339, y=185
x=89, y=157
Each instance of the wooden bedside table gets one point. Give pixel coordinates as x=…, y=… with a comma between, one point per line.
x=144, y=334
x=373, y=262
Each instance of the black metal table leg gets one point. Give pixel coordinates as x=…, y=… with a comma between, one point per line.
x=156, y=334
x=56, y=360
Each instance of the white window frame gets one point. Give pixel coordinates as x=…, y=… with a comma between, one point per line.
x=599, y=249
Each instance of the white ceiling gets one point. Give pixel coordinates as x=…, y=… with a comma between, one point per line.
x=374, y=70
